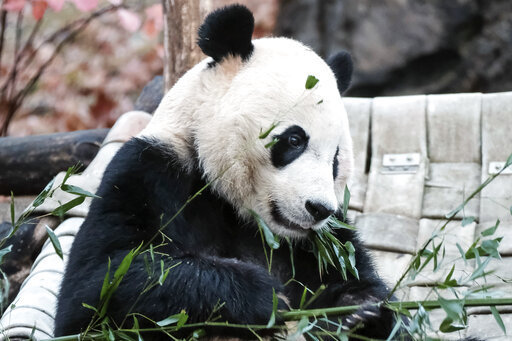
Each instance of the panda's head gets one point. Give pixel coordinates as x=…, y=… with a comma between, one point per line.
x=267, y=141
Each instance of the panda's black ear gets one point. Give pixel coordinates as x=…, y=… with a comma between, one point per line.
x=341, y=65
x=227, y=31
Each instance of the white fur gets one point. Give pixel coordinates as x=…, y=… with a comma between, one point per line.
x=219, y=113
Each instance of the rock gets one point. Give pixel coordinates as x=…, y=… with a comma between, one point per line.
x=151, y=95
x=410, y=46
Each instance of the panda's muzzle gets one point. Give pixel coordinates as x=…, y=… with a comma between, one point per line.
x=282, y=220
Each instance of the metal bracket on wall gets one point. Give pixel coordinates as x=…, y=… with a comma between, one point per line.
x=408, y=163
x=496, y=166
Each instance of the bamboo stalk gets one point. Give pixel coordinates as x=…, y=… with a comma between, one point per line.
x=294, y=315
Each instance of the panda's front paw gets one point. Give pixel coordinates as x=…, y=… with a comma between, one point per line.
x=367, y=314
x=374, y=321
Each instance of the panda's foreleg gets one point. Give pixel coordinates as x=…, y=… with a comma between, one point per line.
x=197, y=284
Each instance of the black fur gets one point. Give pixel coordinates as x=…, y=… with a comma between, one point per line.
x=341, y=65
x=220, y=258
x=284, y=151
x=227, y=31
x=335, y=164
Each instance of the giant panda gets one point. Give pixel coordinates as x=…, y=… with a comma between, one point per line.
x=241, y=129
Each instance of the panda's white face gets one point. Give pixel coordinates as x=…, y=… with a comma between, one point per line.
x=294, y=177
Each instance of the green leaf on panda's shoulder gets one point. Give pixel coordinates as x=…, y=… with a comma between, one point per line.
x=311, y=81
x=271, y=239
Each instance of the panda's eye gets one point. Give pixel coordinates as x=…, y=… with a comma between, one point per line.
x=295, y=140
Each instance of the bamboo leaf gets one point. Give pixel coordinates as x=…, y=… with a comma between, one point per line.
x=490, y=247
x=509, y=161
x=55, y=241
x=398, y=323
x=78, y=191
x=462, y=253
x=271, y=143
x=106, y=281
x=303, y=298
x=268, y=131
x=61, y=210
x=38, y=201
x=85, y=305
x=4, y=251
x=335, y=223
x=116, y=280
x=490, y=231
x=454, y=211
x=498, y=319
x=311, y=81
x=467, y=220
x=198, y=334
x=275, y=300
x=346, y=201
x=180, y=320
x=163, y=273
x=479, y=272
x=70, y=171
x=271, y=239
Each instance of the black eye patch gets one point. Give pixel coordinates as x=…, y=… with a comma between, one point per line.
x=289, y=146
x=335, y=164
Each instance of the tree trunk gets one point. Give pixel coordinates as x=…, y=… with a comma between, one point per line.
x=181, y=22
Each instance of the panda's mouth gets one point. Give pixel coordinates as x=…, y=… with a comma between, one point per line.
x=282, y=220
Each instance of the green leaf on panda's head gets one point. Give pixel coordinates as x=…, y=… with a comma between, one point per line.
x=271, y=143
x=311, y=81
x=264, y=134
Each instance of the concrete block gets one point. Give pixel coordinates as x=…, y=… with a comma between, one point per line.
x=447, y=186
x=358, y=110
x=398, y=126
x=496, y=198
x=390, y=265
x=485, y=326
x=453, y=126
x=388, y=232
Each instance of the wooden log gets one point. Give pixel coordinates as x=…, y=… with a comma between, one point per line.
x=27, y=164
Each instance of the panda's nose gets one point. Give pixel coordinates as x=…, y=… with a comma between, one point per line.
x=318, y=210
